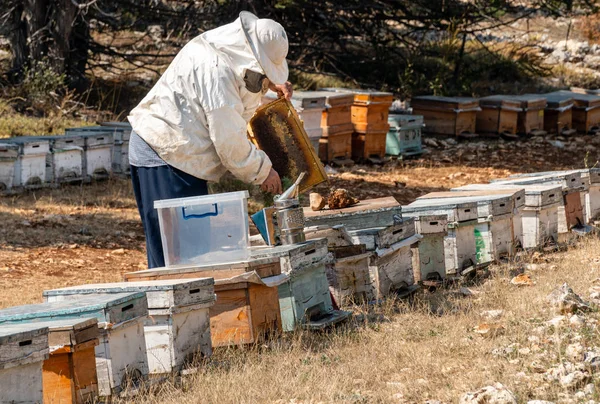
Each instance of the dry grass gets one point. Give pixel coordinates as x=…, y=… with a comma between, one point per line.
x=402, y=352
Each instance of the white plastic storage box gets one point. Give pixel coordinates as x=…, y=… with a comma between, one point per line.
x=204, y=229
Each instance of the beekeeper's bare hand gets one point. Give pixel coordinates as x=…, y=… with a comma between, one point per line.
x=273, y=183
x=283, y=90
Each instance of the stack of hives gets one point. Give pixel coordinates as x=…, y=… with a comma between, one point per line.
x=81, y=155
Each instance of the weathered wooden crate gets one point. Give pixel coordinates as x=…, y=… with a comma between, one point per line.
x=405, y=135
x=496, y=212
x=30, y=168
x=22, y=353
x=121, y=360
x=64, y=163
x=121, y=135
x=98, y=150
x=450, y=116
x=384, y=237
x=9, y=154
x=177, y=329
x=338, y=110
x=69, y=373
x=304, y=300
x=348, y=275
x=391, y=268
x=531, y=117
x=337, y=236
x=460, y=252
x=369, y=146
x=247, y=305
x=586, y=111
x=498, y=116
x=379, y=212
x=429, y=258
x=558, y=115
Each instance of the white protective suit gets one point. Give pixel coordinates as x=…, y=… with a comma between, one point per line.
x=195, y=117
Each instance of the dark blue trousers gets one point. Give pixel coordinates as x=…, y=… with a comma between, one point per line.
x=154, y=183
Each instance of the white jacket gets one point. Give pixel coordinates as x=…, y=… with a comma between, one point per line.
x=195, y=116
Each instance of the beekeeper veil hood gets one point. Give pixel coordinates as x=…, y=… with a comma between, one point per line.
x=255, y=44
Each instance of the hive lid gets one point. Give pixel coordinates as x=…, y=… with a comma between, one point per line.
x=588, y=101
x=276, y=129
x=65, y=332
x=530, y=101
x=501, y=101
x=365, y=97
x=427, y=102
x=22, y=344
x=516, y=195
x=160, y=293
x=559, y=100
x=112, y=309
x=301, y=100
x=27, y=140
x=335, y=99
x=400, y=120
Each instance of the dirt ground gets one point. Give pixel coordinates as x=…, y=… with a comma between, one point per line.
x=92, y=233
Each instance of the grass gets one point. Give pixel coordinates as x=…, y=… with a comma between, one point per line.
x=411, y=352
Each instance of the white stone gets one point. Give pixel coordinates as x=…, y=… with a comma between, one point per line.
x=496, y=394
x=572, y=380
x=574, y=352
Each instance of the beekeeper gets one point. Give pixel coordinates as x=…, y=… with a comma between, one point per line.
x=191, y=127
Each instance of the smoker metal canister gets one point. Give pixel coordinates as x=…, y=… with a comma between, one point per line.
x=290, y=219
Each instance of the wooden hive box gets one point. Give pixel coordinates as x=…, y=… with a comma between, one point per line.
x=98, y=150
x=530, y=121
x=586, y=111
x=494, y=235
x=498, y=116
x=121, y=134
x=304, y=300
x=449, y=116
x=9, y=154
x=429, y=258
x=379, y=212
x=369, y=146
x=405, y=135
x=348, y=275
x=22, y=352
x=69, y=373
x=247, y=303
x=30, y=168
x=121, y=360
x=570, y=210
x=178, y=327
x=558, y=115
x=390, y=266
x=336, y=125
x=460, y=251
x=64, y=163
x=337, y=236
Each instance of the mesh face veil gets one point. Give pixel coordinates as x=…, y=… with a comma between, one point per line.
x=255, y=81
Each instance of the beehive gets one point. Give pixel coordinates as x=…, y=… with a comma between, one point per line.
x=98, y=150
x=495, y=234
x=498, y=116
x=337, y=235
x=348, y=275
x=586, y=111
x=336, y=124
x=531, y=117
x=429, y=258
x=558, y=115
x=247, y=305
x=460, y=252
x=276, y=129
x=121, y=360
x=450, y=116
x=177, y=329
x=405, y=135
x=9, y=154
x=64, y=163
x=380, y=212
x=304, y=300
x=121, y=135
x=23, y=349
x=30, y=167
x=69, y=373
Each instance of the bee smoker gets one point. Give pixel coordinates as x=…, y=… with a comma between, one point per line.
x=284, y=222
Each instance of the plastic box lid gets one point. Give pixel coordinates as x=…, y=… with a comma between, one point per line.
x=200, y=200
